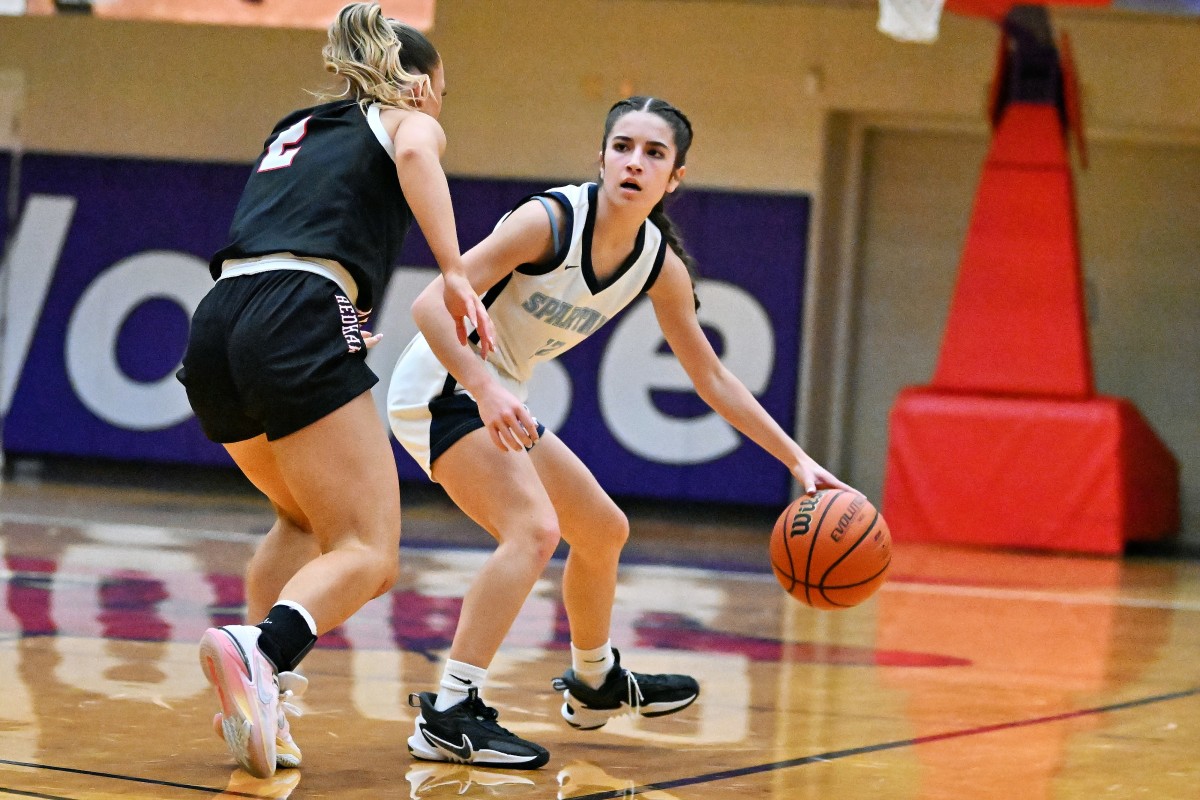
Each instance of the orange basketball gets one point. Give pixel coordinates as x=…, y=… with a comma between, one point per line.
x=831, y=549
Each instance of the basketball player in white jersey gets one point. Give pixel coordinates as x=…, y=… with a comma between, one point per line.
x=554, y=270
x=275, y=365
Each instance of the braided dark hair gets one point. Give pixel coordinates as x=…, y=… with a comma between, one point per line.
x=681, y=128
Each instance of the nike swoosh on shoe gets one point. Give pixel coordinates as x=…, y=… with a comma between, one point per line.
x=462, y=750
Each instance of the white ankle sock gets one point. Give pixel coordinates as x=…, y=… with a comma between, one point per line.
x=592, y=666
x=457, y=678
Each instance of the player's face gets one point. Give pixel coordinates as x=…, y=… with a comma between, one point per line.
x=639, y=159
x=431, y=102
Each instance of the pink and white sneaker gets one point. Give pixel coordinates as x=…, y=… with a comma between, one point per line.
x=248, y=691
x=292, y=685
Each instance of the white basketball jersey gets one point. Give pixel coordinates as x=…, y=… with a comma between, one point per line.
x=539, y=311
x=542, y=311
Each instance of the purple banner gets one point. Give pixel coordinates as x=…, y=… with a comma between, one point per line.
x=147, y=228
x=111, y=257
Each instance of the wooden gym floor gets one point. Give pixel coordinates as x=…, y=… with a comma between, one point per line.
x=971, y=675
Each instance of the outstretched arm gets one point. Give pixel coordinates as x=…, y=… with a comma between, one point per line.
x=420, y=142
x=524, y=237
x=720, y=388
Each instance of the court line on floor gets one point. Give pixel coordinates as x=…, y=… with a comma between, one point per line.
x=710, y=777
x=129, y=778
x=835, y=755
x=39, y=795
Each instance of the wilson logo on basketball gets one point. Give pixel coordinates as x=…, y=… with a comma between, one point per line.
x=830, y=550
x=803, y=519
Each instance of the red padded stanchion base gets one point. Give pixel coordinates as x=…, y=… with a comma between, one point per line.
x=1039, y=473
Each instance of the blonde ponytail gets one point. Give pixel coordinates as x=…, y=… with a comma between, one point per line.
x=382, y=60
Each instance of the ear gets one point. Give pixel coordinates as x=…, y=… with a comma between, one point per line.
x=676, y=178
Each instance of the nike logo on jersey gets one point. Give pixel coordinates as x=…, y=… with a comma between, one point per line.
x=562, y=314
x=462, y=750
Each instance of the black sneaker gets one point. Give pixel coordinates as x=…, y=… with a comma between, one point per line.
x=623, y=692
x=467, y=733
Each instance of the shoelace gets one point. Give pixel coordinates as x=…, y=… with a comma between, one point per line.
x=634, y=691
x=485, y=714
x=291, y=685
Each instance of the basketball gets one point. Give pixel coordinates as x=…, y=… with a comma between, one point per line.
x=831, y=549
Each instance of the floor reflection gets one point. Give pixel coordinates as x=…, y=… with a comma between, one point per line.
x=972, y=674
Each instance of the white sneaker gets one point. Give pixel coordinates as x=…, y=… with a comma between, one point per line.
x=248, y=691
x=292, y=685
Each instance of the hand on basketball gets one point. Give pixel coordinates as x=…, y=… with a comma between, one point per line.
x=463, y=304
x=507, y=420
x=813, y=476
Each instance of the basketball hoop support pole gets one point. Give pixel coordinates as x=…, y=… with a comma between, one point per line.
x=1010, y=445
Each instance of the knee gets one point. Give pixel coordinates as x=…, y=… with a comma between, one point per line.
x=615, y=534
x=611, y=529
x=385, y=568
x=605, y=536
x=543, y=540
x=389, y=573
x=619, y=530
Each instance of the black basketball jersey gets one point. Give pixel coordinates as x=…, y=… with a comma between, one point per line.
x=325, y=186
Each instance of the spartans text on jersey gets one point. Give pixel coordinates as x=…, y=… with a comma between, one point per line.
x=563, y=315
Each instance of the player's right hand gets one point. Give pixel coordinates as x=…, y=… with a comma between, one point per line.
x=464, y=304
x=507, y=420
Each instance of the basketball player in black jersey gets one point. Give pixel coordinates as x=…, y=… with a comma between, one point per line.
x=275, y=364
x=591, y=249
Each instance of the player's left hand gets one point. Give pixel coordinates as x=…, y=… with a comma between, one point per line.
x=813, y=476
x=463, y=305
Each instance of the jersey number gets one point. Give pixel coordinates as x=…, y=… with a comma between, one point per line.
x=285, y=147
x=550, y=346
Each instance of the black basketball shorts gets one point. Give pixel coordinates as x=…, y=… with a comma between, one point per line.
x=272, y=353
x=428, y=412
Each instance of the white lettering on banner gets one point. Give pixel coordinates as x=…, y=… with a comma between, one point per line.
x=32, y=257
x=91, y=346
x=632, y=368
